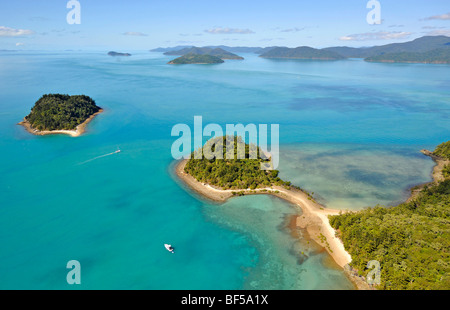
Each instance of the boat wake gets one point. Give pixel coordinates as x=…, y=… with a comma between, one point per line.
x=98, y=157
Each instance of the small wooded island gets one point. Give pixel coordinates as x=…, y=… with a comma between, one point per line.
x=196, y=59
x=217, y=52
x=114, y=54
x=60, y=114
x=232, y=173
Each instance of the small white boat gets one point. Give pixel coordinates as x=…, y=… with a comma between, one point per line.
x=169, y=248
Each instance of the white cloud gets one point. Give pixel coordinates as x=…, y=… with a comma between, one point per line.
x=443, y=32
x=133, y=33
x=20, y=44
x=228, y=31
x=11, y=32
x=380, y=35
x=439, y=17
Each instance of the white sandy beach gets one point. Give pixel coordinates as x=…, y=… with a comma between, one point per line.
x=73, y=133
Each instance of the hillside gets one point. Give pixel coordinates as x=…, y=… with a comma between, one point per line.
x=231, y=49
x=438, y=56
x=420, y=45
x=195, y=59
x=217, y=52
x=303, y=52
x=232, y=173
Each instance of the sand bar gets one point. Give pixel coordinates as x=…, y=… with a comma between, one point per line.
x=314, y=217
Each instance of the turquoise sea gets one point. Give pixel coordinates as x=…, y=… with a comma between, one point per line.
x=350, y=132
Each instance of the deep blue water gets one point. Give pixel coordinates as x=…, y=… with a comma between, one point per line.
x=350, y=132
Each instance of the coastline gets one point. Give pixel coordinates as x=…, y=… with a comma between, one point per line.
x=73, y=133
x=437, y=175
x=313, y=220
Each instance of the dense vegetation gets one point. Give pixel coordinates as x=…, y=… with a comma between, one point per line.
x=232, y=173
x=217, y=52
x=411, y=241
x=302, y=52
x=443, y=150
x=438, y=56
x=61, y=112
x=112, y=53
x=196, y=59
x=420, y=45
x=231, y=49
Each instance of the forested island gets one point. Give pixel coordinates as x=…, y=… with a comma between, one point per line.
x=195, y=59
x=57, y=113
x=217, y=52
x=411, y=241
x=303, y=52
x=437, y=56
x=114, y=54
x=220, y=179
x=427, y=49
x=226, y=173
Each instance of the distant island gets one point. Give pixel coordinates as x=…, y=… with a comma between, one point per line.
x=61, y=114
x=118, y=54
x=427, y=49
x=419, y=45
x=438, y=56
x=303, y=52
x=217, y=52
x=231, y=49
x=411, y=241
x=196, y=59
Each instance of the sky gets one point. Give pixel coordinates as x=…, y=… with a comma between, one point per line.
x=145, y=24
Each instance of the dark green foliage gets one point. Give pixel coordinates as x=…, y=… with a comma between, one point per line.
x=218, y=52
x=112, y=53
x=411, y=241
x=233, y=173
x=443, y=150
x=438, y=56
x=446, y=171
x=420, y=45
x=302, y=52
x=196, y=59
x=61, y=112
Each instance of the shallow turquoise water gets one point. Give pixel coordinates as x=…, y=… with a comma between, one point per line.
x=350, y=132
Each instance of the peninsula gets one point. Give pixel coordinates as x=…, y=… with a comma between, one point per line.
x=221, y=179
x=61, y=114
x=410, y=241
